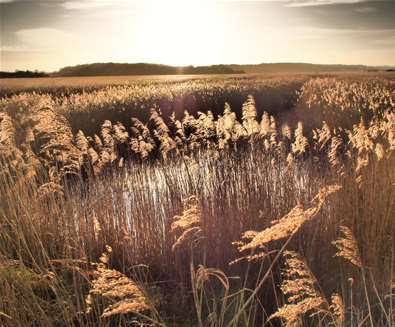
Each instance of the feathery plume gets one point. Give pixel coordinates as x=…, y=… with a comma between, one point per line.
x=300, y=287
x=337, y=308
x=249, y=117
x=301, y=143
x=188, y=224
x=347, y=247
x=287, y=225
x=121, y=294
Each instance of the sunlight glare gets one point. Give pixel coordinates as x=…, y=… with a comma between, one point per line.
x=180, y=32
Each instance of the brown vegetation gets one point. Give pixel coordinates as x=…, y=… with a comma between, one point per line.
x=161, y=200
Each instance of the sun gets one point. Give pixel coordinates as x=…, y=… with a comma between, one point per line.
x=181, y=32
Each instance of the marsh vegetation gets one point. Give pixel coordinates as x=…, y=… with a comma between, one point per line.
x=208, y=202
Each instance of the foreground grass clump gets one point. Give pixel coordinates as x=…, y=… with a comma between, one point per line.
x=232, y=219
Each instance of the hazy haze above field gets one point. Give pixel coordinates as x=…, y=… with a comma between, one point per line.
x=48, y=35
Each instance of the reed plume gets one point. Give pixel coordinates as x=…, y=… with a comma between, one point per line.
x=187, y=225
x=338, y=309
x=49, y=189
x=161, y=133
x=301, y=143
x=301, y=289
x=335, y=148
x=225, y=126
x=347, y=247
x=7, y=131
x=265, y=124
x=81, y=142
x=121, y=294
x=141, y=142
x=178, y=131
x=249, y=115
x=287, y=225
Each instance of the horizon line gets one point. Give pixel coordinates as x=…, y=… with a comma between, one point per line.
x=198, y=66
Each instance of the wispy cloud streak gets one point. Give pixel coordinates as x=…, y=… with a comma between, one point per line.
x=90, y=4
x=309, y=3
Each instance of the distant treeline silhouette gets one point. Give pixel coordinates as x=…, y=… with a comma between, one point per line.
x=100, y=69
x=22, y=73
x=106, y=69
x=116, y=69
x=303, y=68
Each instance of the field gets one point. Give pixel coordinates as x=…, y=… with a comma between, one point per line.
x=198, y=201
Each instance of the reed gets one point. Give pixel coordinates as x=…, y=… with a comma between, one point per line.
x=121, y=222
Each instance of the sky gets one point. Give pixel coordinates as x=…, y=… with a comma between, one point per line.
x=49, y=34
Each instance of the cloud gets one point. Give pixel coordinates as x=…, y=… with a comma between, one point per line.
x=12, y=48
x=92, y=4
x=44, y=39
x=87, y=4
x=309, y=3
x=303, y=3
x=365, y=10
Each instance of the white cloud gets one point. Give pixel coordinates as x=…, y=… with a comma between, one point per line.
x=309, y=3
x=41, y=48
x=87, y=4
x=45, y=39
x=91, y=4
x=14, y=48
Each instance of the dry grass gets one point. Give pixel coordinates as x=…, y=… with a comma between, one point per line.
x=123, y=294
x=169, y=194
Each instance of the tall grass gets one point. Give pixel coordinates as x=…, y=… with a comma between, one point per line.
x=225, y=222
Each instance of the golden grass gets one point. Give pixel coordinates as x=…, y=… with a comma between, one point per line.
x=347, y=247
x=121, y=292
x=187, y=226
x=67, y=194
x=301, y=288
x=286, y=226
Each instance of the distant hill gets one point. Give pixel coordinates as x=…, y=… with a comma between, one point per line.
x=22, y=74
x=302, y=68
x=105, y=69
x=114, y=69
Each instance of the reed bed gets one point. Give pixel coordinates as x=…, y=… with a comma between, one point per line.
x=235, y=218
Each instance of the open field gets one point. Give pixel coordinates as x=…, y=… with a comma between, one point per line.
x=18, y=84
x=206, y=201
x=9, y=86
